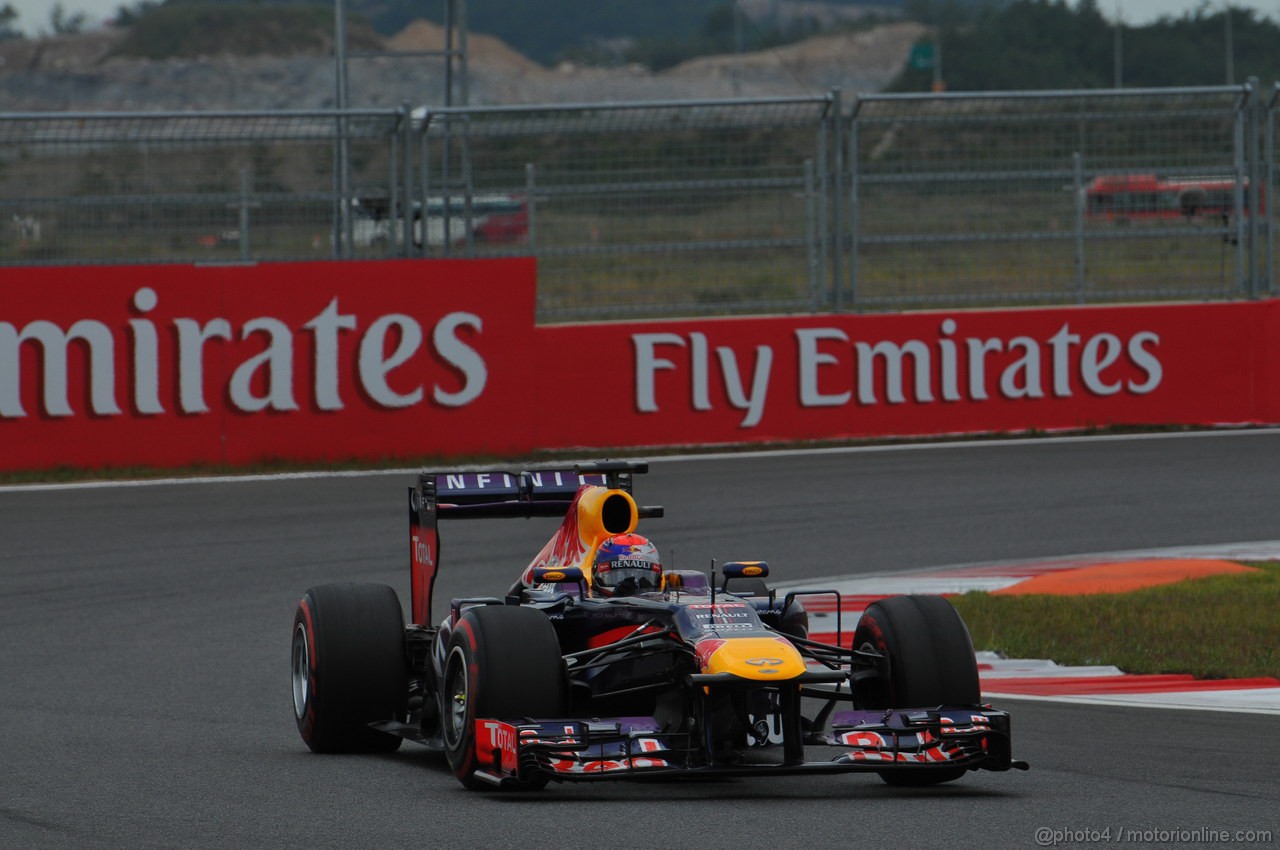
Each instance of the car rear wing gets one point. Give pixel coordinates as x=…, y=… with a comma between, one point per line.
x=481, y=494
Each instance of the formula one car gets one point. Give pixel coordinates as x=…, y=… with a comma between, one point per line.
x=695, y=675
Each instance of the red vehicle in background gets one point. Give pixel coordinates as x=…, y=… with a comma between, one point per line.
x=1139, y=197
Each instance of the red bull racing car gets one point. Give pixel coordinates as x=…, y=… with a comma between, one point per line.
x=599, y=664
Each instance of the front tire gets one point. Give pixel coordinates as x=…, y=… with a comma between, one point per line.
x=930, y=660
x=349, y=667
x=502, y=662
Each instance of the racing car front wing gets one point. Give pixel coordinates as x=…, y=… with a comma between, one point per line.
x=941, y=738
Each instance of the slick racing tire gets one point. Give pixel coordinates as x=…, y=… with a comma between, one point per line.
x=349, y=667
x=502, y=662
x=931, y=662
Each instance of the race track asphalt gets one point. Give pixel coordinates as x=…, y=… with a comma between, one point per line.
x=144, y=633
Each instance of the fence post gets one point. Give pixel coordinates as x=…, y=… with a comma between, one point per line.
x=824, y=235
x=335, y=229
x=404, y=216
x=242, y=221
x=1239, y=166
x=393, y=185
x=837, y=210
x=1254, y=156
x=1269, y=202
x=342, y=180
x=811, y=234
x=446, y=189
x=855, y=206
x=468, y=188
x=418, y=221
x=531, y=204
x=1077, y=173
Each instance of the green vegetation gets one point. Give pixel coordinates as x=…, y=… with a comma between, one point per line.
x=1048, y=44
x=1219, y=627
x=63, y=23
x=658, y=33
x=8, y=22
x=244, y=29
x=547, y=29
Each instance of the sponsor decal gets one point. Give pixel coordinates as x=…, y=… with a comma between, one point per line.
x=565, y=765
x=265, y=380
x=706, y=648
x=630, y=564
x=754, y=379
x=949, y=367
x=478, y=481
x=931, y=755
x=565, y=547
x=422, y=550
x=864, y=739
x=497, y=745
x=169, y=365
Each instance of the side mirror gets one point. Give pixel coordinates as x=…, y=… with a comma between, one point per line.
x=558, y=575
x=744, y=569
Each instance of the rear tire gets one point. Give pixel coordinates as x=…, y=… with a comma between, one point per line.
x=349, y=667
x=931, y=663
x=503, y=662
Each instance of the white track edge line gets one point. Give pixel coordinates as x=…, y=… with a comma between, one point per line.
x=744, y=453
x=987, y=696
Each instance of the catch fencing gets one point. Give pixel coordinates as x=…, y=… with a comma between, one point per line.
x=646, y=209
x=1061, y=196
x=185, y=187
x=878, y=202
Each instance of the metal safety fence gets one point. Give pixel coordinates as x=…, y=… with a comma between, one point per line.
x=693, y=207
x=642, y=208
x=1060, y=197
x=181, y=187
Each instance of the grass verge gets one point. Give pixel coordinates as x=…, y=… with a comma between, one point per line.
x=1213, y=628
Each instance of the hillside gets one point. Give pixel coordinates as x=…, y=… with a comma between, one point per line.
x=88, y=72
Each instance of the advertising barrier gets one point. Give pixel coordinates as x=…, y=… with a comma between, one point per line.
x=834, y=376
x=174, y=365
x=177, y=365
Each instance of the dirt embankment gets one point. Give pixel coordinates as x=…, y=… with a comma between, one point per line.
x=82, y=72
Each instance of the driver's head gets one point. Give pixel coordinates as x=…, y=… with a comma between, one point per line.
x=626, y=564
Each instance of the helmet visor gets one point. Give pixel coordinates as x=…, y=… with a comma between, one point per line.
x=646, y=577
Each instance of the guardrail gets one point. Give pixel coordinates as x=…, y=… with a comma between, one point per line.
x=678, y=208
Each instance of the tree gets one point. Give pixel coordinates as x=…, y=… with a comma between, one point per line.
x=64, y=24
x=1051, y=44
x=8, y=22
x=127, y=16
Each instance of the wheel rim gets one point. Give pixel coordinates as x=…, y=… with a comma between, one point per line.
x=301, y=671
x=455, y=709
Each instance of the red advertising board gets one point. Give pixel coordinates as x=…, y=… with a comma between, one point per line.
x=835, y=376
x=173, y=365
x=176, y=365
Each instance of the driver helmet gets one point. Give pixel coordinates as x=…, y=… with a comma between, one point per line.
x=627, y=564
